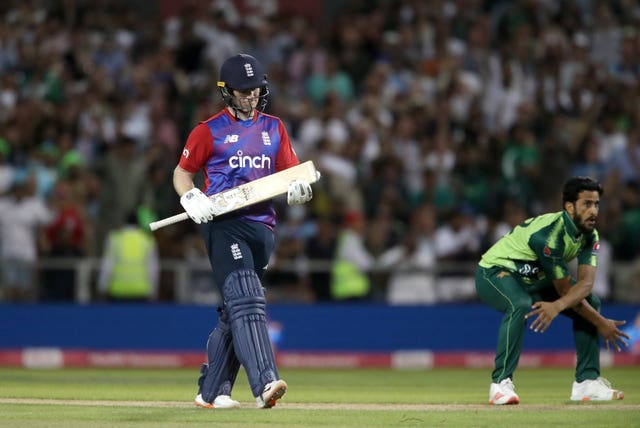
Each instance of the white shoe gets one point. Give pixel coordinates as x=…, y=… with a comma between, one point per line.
x=221, y=402
x=225, y=402
x=273, y=391
x=201, y=403
x=595, y=390
x=503, y=393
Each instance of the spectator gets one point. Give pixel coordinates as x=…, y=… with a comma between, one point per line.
x=384, y=231
x=627, y=161
x=330, y=80
x=22, y=216
x=67, y=237
x=122, y=174
x=130, y=267
x=458, y=237
x=456, y=240
x=309, y=59
x=589, y=164
x=412, y=262
x=350, y=280
x=628, y=244
x=520, y=163
x=386, y=187
x=6, y=168
x=320, y=248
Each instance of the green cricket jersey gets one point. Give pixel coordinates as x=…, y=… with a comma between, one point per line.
x=539, y=249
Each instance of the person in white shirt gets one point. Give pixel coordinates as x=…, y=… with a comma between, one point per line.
x=22, y=214
x=412, y=262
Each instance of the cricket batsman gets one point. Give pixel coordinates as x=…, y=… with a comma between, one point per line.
x=238, y=144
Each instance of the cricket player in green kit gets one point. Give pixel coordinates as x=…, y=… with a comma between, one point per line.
x=525, y=276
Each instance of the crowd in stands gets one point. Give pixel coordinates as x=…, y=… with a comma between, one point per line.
x=437, y=125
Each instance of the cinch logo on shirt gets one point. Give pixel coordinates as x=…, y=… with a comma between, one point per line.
x=240, y=161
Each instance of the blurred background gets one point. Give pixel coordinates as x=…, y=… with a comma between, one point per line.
x=437, y=127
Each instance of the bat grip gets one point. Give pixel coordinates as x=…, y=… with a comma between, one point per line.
x=168, y=221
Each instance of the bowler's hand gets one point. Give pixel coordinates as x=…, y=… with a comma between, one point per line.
x=612, y=336
x=545, y=312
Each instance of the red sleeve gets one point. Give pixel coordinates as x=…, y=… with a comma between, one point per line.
x=287, y=157
x=198, y=148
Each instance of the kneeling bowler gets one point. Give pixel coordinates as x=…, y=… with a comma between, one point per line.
x=525, y=276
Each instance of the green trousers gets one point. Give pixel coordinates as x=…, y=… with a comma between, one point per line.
x=507, y=293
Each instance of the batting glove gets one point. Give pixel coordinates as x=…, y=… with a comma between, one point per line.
x=198, y=206
x=299, y=192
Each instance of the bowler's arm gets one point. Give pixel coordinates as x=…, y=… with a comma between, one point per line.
x=574, y=296
x=570, y=297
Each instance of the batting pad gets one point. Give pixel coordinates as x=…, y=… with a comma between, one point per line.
x=245, y=304
x=219, y=375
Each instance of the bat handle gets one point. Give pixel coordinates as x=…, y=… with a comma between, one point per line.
x=155, y=225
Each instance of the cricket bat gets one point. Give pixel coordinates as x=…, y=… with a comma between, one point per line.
x=252, y=192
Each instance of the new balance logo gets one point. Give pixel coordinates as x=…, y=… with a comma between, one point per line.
x=233, y=138
x=235, y=252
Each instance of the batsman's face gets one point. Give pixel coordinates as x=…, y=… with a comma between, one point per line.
x=247, y=100
x=585, y=211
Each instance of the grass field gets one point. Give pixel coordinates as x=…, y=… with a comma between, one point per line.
x=336, y=398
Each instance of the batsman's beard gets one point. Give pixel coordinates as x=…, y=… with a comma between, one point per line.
x=246, y=106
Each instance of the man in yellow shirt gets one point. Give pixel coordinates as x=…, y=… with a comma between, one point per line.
x=130, y=265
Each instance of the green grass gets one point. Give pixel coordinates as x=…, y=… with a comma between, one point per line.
x=332, y=398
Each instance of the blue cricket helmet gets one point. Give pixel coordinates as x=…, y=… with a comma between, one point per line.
x=242, y=72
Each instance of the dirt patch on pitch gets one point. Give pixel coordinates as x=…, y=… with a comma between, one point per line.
x=332, y=406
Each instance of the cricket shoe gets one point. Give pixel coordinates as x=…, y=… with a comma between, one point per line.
x=221, y=402
x=503, y=393
x=273, y=391
x=595, y=390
